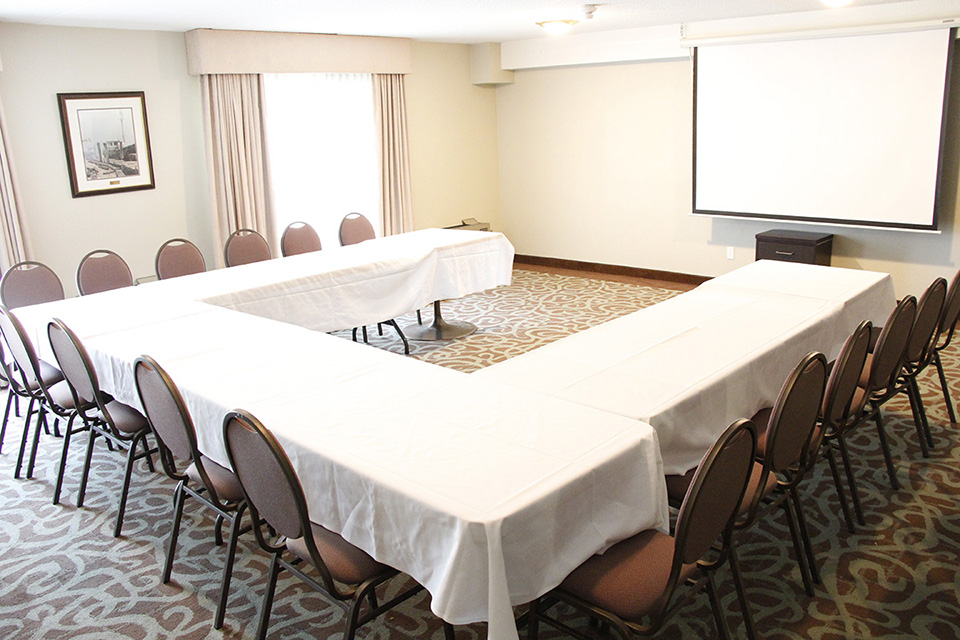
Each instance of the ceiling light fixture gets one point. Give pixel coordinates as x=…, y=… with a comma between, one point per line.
x=557, y=27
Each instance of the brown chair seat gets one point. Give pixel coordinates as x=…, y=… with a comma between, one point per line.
x=60, y=393
x=125, y=417
x=347, y=563
x=49, y=374
x=630, y=578
x=224, y=481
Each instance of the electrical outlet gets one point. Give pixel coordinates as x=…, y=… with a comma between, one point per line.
x=729, y=253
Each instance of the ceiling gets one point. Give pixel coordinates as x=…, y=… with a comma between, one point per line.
x=465, y=21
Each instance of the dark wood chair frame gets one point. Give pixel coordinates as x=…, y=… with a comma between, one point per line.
x=96, y=416
x=205, y=494
x=685, y=522
x=349, y=597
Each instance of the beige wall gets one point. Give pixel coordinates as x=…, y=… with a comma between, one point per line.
x=38, y=63
x=595, y=165
x=453, y=139
x=452, y=127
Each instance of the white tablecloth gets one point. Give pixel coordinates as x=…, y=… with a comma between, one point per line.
x=693, y=364
x=487, y=495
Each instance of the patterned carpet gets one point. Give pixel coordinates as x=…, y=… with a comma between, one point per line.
x=63, y=575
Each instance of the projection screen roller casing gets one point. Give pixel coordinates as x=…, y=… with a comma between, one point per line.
x=845, y=130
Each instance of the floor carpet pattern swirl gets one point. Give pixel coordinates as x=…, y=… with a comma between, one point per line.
x=63, y=575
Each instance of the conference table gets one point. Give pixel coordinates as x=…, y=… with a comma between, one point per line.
x=693, y=364
x=486, y=494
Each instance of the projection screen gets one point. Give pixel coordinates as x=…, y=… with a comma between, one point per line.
x=843, y=130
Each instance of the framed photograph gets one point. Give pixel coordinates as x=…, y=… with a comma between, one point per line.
x=107, y=142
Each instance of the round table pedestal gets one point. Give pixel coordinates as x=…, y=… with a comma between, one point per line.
x=440, y=329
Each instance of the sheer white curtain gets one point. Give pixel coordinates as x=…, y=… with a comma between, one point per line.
x=323, y=150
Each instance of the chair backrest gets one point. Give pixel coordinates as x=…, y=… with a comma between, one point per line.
x=891, y=347
x=178, y=257
x=838, y=404
x=299, y=237
x=102, y=270
x=355, y=228
x=713, y=499
x=951, y=312
x=21, y=350
x=923, y=335
x=29, y=282
x=74, y=363
x=270, y=484
x=245, y=246
x=167, y=415
x=795, y=413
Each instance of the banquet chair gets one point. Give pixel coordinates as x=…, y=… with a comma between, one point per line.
x=27, y=283
x=244, y=246
x=178, y=257
x=23, y=284
x=102, y=270
x=197, y=476
x=631, y=586
x=297, y=238
x=948, y=323
x=119, y=424
x=919, y=354
x=843, y=402
x=37, y=382
x=273, y=492
x=354, y=229
x=785, y=431
x=880, y=378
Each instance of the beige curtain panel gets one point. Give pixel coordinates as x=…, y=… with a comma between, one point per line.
x=236, y=160
x=13, y=247
x=391, y=115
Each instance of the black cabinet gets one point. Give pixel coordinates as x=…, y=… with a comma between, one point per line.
x=795, y=246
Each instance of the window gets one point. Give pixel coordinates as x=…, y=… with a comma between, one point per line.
x=322, y=150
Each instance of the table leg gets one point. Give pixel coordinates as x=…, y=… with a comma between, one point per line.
x=440, y=329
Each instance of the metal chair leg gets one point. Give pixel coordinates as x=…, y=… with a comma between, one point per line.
x=835, y=472
x=179, y=497
x=885, y=448
x=63, y=458
x=86, y=467
x=127, y=474
x=918, y=419
x=851, y=480
x=268, y=597
x=228, y=567
x=944, y=387
x=805, y=535
x=751, y=634
x=787, y=505
x=24, y=438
